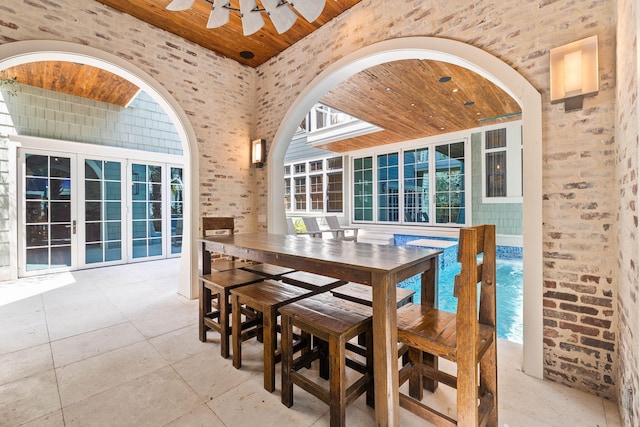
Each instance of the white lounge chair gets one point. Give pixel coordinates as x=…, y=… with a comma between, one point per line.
x=339, y=232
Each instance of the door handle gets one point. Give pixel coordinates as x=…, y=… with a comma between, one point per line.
x=72, y=227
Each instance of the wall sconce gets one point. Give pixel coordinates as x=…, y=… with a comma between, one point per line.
x=573, y=69
x=258, y=152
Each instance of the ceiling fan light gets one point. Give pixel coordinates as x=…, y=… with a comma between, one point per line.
x=251, y=17
x=219, y=14
x=177, y=5
x=282, y=17
x=309, y=9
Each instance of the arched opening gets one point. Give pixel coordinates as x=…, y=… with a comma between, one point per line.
x=494, y=70
x=13, y=54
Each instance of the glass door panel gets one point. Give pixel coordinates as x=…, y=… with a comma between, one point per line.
x=177, y=209
x=47, y=219
x=102, y=211
x=146, y=220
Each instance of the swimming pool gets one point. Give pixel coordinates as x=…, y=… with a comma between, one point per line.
x=508, y=294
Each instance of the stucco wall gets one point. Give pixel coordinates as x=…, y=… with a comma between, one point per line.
x=579, y=159
x=627, y=205
x=216, y=93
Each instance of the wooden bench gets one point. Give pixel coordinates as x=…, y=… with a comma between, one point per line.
x=334, y=322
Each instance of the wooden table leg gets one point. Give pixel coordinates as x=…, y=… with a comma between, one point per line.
x=429, y=298
x=385, y=355
x=270, y=345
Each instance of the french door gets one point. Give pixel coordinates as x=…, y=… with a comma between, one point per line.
x=84, y=211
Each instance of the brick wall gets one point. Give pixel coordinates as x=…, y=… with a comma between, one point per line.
x=217, y=94
x=578, y=148
x=143, y=125
x=627, y=227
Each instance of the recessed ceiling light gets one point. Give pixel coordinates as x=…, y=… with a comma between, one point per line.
x=444, y=79
x=478, y=113
x=413, y=105
x=469, y=103
x=388, y=89
x=455, y=90
x=441, y=128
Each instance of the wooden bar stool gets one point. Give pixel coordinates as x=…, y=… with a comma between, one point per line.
x=363, y=294
x=264, y=298
x=270, y=271
x=215, y=306
x=215, y=262
x=311, y=281
x=467, y=338
x=334, y=321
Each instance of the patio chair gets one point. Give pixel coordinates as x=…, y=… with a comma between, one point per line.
x=334, y=224
x=311, y=224
x=467, y=338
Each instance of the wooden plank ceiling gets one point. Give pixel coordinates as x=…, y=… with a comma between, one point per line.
x=227, y=40
x=408, y=100
x=75, y=79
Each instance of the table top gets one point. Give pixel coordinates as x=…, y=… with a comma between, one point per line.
x=331, y=257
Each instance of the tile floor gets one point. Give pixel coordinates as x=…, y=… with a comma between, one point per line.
x=117, y=346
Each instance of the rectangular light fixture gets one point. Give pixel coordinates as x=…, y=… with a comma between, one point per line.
x=258, y=152
x=573, y=71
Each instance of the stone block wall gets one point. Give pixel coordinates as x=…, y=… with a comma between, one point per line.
x=627, y=128
x=216, y=93
x=578, y=149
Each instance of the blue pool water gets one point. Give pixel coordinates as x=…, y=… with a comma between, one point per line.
x=508, y=294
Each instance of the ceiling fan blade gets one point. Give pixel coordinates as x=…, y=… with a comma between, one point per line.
x=219, y=14
x=177, y=5
x=251, y=17
x=282, y=17
x=310, y=9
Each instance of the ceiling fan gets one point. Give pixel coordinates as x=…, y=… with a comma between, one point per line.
x=280, y=12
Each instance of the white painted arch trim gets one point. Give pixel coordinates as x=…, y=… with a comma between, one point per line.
x=22, y=52
x=494, y=70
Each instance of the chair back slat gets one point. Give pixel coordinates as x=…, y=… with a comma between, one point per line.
x=474, y=241
x=211, y=225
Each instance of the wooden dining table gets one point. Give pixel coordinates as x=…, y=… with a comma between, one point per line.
x=380, y=266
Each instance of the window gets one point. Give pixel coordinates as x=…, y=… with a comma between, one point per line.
x=301, y=193
x=496, y=162
x=363, y=189
x=287, y=194
x=334, y=192
x=388, y=188
x=502, y=163
x=316, y=193
x=422, y=185
x=450, y=174
x=416, y=185
x=317, y=186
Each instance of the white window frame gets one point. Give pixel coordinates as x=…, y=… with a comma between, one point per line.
x=514, y=162
x=430, y=143
x=307, y=174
